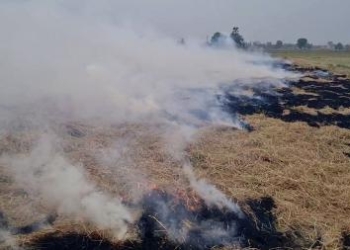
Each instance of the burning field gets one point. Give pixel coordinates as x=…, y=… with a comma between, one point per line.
x=168, y=207
x=284, y=182
x=116, y=138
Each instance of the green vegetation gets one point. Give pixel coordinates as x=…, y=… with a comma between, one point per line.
x=339, y=47
x=236, y=37
x=302, y=43
x=279, y=44
x=336, y=61
x=215, y=39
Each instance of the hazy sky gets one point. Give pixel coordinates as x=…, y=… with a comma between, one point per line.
x=266, y=20
x=318, y=20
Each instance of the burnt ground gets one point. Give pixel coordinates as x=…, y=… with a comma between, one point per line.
x=256, y=230
x=346, y=241
x=315, y=94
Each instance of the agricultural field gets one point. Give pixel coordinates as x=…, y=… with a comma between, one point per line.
x=336, y=61
x=289, y=173
x=127, y=125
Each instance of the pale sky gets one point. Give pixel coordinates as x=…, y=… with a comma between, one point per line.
x=265, y=20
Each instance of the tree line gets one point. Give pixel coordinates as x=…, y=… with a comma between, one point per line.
x=218, y=39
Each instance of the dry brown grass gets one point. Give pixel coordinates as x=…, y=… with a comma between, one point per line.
x=326, y=110
x=298, y=91
x=303, y=169
x=306, y=170
x=335, y=61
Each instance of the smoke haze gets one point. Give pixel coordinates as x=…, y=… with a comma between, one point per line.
x=63, y=64
x=44, y=173
x=73, y=67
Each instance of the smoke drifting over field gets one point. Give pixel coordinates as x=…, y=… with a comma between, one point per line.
x=45, y=173
x=60, y=66
x=69, y=66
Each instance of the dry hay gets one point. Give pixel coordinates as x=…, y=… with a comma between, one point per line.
x=305, y=171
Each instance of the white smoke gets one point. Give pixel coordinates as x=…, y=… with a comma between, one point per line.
x=8, y=241
x=62, y=65
x=210, y=194
x=45, y=174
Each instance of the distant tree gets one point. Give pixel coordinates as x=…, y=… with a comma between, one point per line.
x=216, y=38
x=339, y=46
x=279, y=44
x=237, y=38
x=330, y=45
x=302, y=43
x=347, y=47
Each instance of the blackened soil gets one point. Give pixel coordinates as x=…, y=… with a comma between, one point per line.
x=315, y=95
x=257, y=230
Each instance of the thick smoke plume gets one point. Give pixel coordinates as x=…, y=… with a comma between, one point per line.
x=60, y=65
x=46, y=174
x=7, y=241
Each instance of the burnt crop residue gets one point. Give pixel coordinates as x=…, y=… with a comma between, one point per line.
x=205, y=227
x=321, y=90
x=171, y=222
